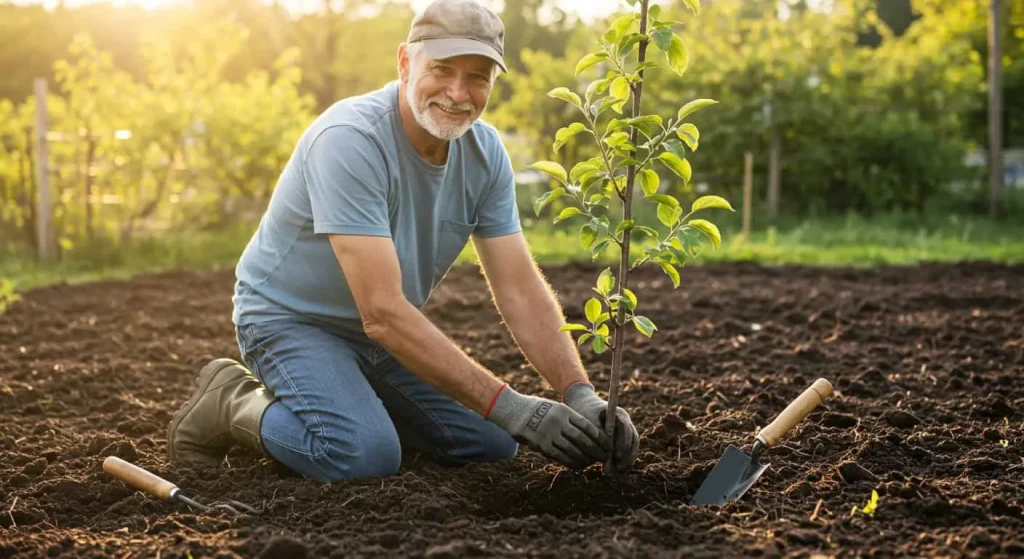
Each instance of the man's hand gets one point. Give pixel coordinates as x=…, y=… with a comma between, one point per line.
x=581, y=397
x=551, y=427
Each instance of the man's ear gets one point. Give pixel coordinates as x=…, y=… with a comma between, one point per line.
x=403, y=62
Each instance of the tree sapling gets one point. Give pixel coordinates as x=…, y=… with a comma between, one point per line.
x=632, y=146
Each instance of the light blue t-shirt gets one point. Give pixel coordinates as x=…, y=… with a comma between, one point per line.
x=354, y=171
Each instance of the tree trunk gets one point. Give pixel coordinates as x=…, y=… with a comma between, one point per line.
x=995, y=108
x=623, y=275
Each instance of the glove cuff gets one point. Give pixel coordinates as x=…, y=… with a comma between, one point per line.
x=578, y=392
x=508, y=408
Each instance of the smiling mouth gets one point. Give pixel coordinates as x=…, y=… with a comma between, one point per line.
x=453, y=113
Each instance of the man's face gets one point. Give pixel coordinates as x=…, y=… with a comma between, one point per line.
x=447, y=96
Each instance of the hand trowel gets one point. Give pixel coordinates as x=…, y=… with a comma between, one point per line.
x=735, y=472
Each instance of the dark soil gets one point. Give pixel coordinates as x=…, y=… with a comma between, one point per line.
x=927, y=364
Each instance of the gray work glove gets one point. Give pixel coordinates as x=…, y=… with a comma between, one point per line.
x=582, y=398
x=551, y=427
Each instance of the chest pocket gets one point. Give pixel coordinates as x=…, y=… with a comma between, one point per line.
x=450, y=242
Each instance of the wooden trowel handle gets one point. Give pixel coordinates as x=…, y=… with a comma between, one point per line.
x=138, y=477
x=795, y=412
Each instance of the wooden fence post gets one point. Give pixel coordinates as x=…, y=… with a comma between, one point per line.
x=748, y=178
x=774, y=172
x=44, y=209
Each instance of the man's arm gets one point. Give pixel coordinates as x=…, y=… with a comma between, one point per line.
x=534, y=316
x=371, y=268
x=530, y=309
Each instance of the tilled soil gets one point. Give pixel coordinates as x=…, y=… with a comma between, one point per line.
x=927, y=364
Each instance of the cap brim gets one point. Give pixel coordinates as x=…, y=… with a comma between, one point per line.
x=457, y=46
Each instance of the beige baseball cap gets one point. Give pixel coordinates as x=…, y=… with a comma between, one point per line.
x=450, y=28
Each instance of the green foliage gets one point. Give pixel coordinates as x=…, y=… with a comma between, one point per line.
x=864, y=129
x=7, y=294
x=627, y=144
x=185, y=149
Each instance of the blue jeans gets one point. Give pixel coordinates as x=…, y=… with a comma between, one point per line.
x=345, y=406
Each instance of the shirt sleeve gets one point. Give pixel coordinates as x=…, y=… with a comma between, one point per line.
x=346, y=177
x=498, y=213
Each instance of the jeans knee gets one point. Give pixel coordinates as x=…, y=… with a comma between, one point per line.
x=371, y=455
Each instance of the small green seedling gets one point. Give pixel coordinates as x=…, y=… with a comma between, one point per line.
x=629, y=147
x=869, y=508
x=1004, y=443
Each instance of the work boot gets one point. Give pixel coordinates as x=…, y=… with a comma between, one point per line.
x=226, y=407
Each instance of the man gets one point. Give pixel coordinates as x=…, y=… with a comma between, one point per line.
x=381, y=194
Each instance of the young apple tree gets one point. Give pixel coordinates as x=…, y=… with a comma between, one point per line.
x=637, y=145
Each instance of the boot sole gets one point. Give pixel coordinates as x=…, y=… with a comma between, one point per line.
x=202, y=385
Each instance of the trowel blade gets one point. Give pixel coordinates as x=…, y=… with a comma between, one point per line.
x=731, y=477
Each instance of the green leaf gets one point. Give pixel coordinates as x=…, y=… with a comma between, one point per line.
x=588, y=234
x=644, y=325
x=624, y=225
x=579, y=169
x=590, y=177
x=605, y=281
x=594, y=87
x=617, y=139
x=645, y=120
x=649, y=181
x=619, y=28
x=563, y=134
x=694, y=106
x=620, y=88
x=583, y=339
x=598, y=249
x=689, y=134
x=630, y=300
x=647, y=231
x=653, y=12
x=668, y=215
x=626, y=43
x=600, y=344
x=676, y=147
x=604, y=317
x=589, y=60
x=564, y=94
x=664, y=199
x=678, y=58
x=672, y=273
x=566, y=213
x=662, y=37
x=694, y=6
x=552, y=168
x=711, y=202
x=570, y=327
x=593, y=309
x=709, y=229
x=677, y=165
x=676, y=248
x=547, y=198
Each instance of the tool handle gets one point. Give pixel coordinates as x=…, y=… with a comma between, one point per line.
x=795, y=412
x=138, y=478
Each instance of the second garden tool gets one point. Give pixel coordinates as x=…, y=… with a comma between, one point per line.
x=735, y=472
x=159, y=487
